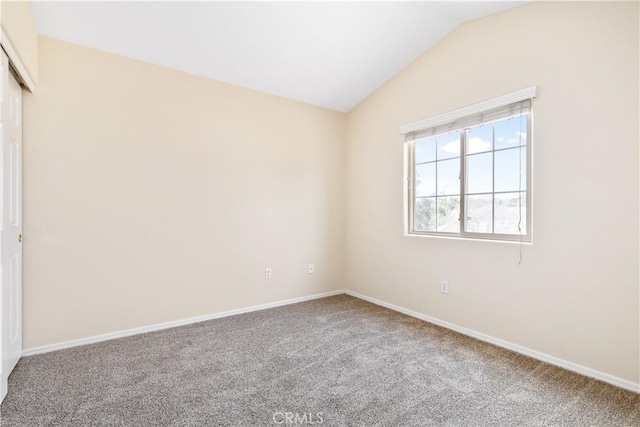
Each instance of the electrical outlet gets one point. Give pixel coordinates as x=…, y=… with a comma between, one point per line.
x=310, y=268
x=444, y=287
x=267, y=273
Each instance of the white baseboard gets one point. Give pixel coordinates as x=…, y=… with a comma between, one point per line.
x=167, y=325
x=628, y=385
x=469, y=332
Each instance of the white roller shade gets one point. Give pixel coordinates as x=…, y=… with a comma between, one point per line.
x=510, y=105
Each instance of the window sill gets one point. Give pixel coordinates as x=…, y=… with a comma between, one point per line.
x=471, y=239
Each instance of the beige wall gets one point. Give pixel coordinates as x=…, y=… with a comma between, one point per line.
x=17, y=23
x=152, y=195
x=575, y=296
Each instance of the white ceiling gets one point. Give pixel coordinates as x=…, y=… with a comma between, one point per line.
x=329, y=54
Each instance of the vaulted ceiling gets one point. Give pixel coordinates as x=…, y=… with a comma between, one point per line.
x=329, y=54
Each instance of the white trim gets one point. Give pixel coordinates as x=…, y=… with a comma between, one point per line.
x=628, y=385
x=469, y=239
x=3, y=387
x=510, y=98
x=16, y=62
x=167, y=325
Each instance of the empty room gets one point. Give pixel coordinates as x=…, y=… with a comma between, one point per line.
x=386, y=213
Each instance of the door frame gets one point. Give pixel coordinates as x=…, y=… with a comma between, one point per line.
x=14, y=59
x=24, y=79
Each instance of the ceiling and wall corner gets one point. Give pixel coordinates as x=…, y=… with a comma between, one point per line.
x=328, y=54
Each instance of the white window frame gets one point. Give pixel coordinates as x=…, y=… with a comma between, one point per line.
x=448, y=120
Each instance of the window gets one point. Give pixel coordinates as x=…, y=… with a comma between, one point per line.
x=469, y=172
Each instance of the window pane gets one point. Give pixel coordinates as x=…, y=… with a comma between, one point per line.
x=511, y=170
x=425, y=150
x=511, y=132
x=426, y=180
x=480, y=139
x=449, y=214
x=480, y=173
x=479, y=213
x=425, y=214
x=510, y=209
x=448, y=145
x=449, y=177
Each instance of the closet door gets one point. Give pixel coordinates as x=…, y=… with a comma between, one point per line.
x=10, y=222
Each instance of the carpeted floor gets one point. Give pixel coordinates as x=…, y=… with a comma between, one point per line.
x=336, y=361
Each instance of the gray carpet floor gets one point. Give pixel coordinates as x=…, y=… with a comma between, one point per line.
x=335, y=361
